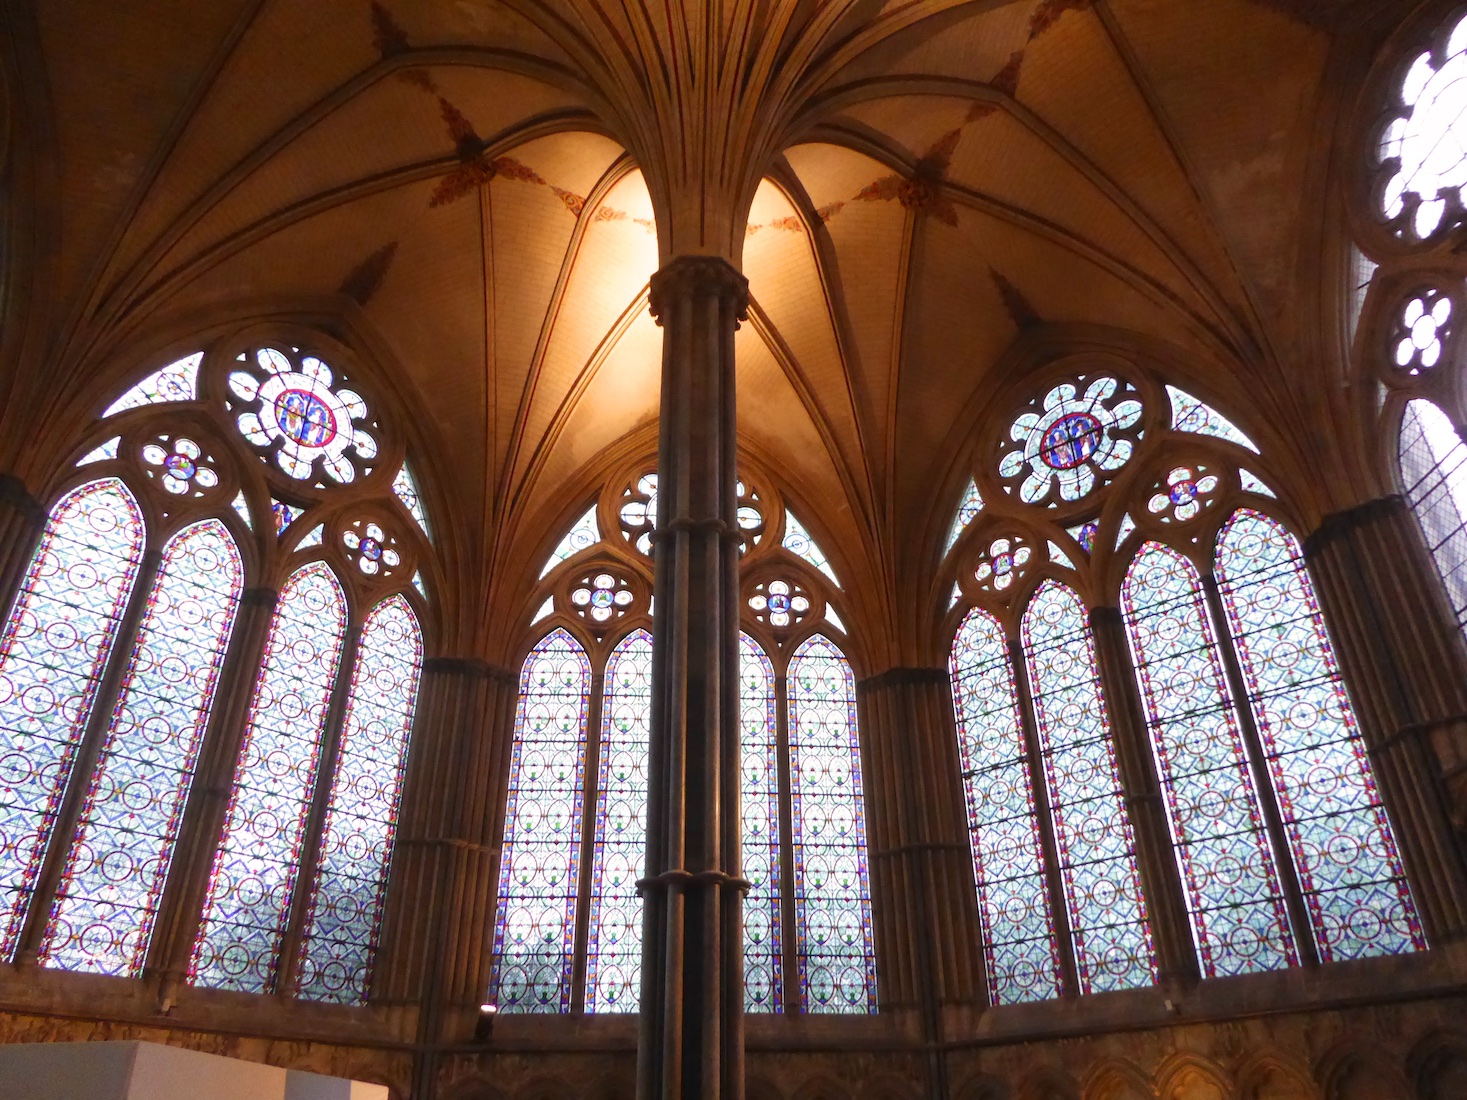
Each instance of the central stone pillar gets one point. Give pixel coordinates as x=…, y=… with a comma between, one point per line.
x=691, y=1041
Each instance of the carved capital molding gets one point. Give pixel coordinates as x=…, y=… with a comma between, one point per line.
x=693, y=277
x=14, y=493
x=903, y=677
x=1341, y=525
x=469, y=668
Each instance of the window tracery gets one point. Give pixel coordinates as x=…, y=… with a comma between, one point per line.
x=808, y=937
x=140, y=644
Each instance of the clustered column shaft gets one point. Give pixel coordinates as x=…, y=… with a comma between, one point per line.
x=691, y=1039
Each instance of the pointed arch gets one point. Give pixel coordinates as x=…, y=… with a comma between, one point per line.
x=1093, y=836
x=361, y=816
x=112, y=884
x=57, y=643
x=759, y=771
x=255, y=867
x=1343, y=848
x=534, y=928
x=614, y=947
x=1234, y=897
x=837, y=959
x=1003, y=824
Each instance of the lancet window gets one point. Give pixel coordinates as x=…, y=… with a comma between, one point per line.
x=1111, y=488
x=245, y=489
x=568, y=928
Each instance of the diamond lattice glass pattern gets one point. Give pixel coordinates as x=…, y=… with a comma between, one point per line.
x=255, y=867
x=614, y=950
x=1233, y=894
x=102, y=917
x=534, y=929
x=1008, y=862
x=52, y=657
x=1097, y=852
x=1423, y=149
x=1341, y=841
x=361, y=815
x=1074, y=435
x=759, y=769
x=837, y=961
x=1434, y=471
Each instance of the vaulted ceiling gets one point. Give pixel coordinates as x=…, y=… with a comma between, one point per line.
x=452, y=178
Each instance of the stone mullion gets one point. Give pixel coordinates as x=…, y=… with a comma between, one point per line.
x=892, y=888
x=691, y=1027
x=94, y=732
x=1039, y=787
x=1161, y=879
x=1402, y=656
x=181, y=908
x=22, y=519
x=1273, y=819
x=287, y=967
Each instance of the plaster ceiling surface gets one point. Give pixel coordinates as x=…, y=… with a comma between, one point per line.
x=465, y=181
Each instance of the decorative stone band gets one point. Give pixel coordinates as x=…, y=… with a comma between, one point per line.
x=698, y=276
x=727, y=532
x=678, y=879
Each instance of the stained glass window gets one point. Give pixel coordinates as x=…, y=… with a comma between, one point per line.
x=1073, y=442
x=55, y=648
x=1097, y=852
x=1192, y=415
x=534, y=929
x=759, y=768
x=361, y=815
x=255, y=867
x=407, y=492
x=614, y=950
x=968, y=510
x=837, y=963
x=585, y=533
x=105, y=453
x=1233, y=894
x=1338, y=833
x=799, y=543
x=1434, y=470
x=175, y=382
x=1008, y=862
x=102, y=917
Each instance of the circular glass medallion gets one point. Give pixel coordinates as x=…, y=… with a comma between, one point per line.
x=179, y=466
x=304, y=418
x=370, y=549
x=1070, y=441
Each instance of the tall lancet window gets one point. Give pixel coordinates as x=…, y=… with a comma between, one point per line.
x=1108, y=489
x=219, y=473
x=569, y=919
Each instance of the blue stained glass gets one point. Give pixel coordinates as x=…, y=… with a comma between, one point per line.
x=534, y=929
x=837, y=961
x=1233, y=894
x=614, y=950
x=1008, y=861
x=1338, y=832
x=102, y=917
x=1097, y=852
x=759, y=768
x=255, y=867
x=361, y=815
x=54, y=651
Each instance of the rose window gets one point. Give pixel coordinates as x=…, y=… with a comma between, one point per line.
x=1004, y=562
x=371, y=548
x=1187, y=491
x=1423, y=325
x=602, y=597
x=779, y=603
x=1422, y=150
x=298, y=413
x=1073, y=442
x=638, y=513
x=179, y=464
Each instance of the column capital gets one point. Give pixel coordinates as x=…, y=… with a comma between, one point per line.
x=1342, y=524
x=469, y=667
x=903, y=677
x=14, y=493
x=686, y=276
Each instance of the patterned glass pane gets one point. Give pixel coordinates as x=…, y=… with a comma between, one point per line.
x=832, y=889
x=255, y=868
x=1008, y=860
x=175, y=382
x=614, y=950
x=1097, y=852
x=534, y=929
x=759, y=765
x=103, y=914
x=54, y=651
x=1233, y=893
x=1434, y=472
x=1348, y=866
x=361, y=816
